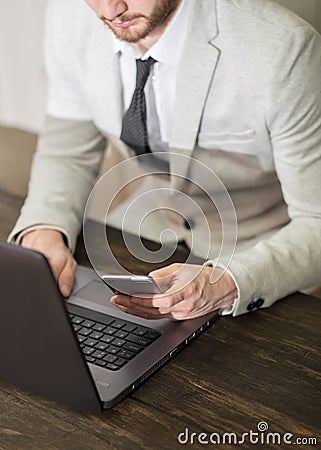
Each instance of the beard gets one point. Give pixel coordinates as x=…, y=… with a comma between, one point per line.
x=145, y=24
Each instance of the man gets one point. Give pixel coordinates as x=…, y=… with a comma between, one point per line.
x=236, y=86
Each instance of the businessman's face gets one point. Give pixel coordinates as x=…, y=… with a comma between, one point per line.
x=134, y=20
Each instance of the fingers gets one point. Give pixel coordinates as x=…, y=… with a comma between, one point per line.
x=192, y=295
x=156, y=307
x=66, y=277
x=63, y=267
x=166, y=276
x=165, y=271
x=51, y=244
x=125, y=303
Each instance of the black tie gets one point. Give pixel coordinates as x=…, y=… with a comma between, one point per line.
x=134, y=131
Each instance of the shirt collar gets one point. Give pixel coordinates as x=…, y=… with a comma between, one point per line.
x=163, y=50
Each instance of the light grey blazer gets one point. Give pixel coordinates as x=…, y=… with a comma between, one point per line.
x=248, y=106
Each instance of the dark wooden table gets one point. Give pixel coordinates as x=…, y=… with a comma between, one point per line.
x=260, y=367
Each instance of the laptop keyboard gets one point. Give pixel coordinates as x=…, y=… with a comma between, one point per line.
x=111, y=344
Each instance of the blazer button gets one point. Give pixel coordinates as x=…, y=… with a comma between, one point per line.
x=188, y=224
x=251, y=306
x=255, y=304
x=259, y=302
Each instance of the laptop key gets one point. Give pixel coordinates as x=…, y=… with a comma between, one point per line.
x=84, y=331
x=121, y=334
x=140, y=331
x=113, y=350
x=77, y=320
x=130, y=327
x=134, y=338
x=90, y=359
x=112, y=367
x=101, y=346
x=143, y=341
x=81, y=338
x=90, y=342
x=110, y=330
x=151, y=334
x=101, y=362
x=96, y=335
x=118, y=323
x=88, y=323
x=110, y=358
x=125, y=354
x=98, y=354
x=99, y=327
x=107, y=339
x=133, y=347
x=118, y=342
x=88, y=350
x=120, y=362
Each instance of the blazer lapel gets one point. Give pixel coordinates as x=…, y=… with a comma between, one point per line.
x=114, y=94
x=195, y=73
x=107, y=89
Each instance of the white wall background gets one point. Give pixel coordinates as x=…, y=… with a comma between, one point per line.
x=310, y=10
x=22, y=80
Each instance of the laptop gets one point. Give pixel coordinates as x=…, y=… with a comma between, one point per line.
x=83, y=351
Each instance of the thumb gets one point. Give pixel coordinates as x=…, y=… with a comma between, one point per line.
x=165, y=271
x=165, y=276
x=67, y=277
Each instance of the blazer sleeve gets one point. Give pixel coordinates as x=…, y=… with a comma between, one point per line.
x=64, y=170
x=290, y=260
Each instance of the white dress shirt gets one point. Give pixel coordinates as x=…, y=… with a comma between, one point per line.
x=163, y=76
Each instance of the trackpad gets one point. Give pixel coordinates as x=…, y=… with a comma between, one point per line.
x=95, y=291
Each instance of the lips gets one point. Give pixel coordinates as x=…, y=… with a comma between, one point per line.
x=125, y=24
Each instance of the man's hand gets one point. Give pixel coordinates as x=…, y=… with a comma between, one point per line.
x=195, y=291
x=51, y=244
